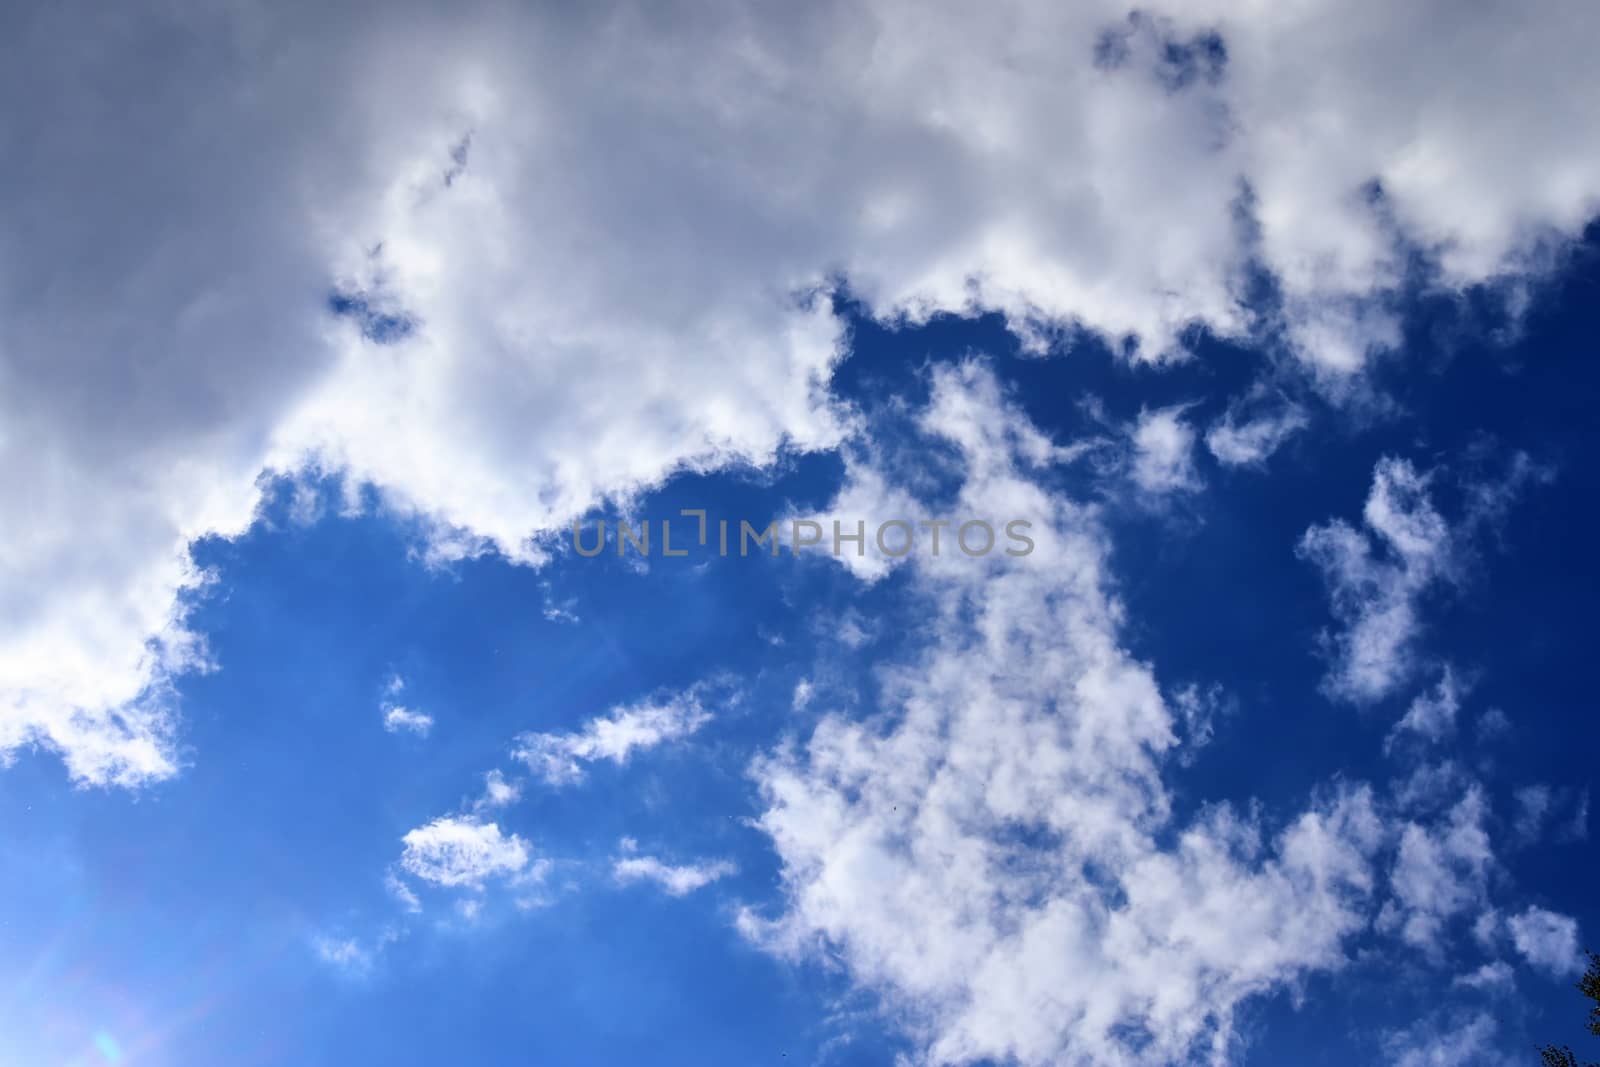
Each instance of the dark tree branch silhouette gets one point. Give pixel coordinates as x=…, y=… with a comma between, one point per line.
x=1589, y=986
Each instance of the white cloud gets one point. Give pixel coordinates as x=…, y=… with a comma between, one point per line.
x=344, y=954
x=868, y=497
x=1492, y=723
x=1432, y=715
x=1250, y=443
x=458, y=852
x=1197, y=711
x=1429, y=788
x=1490, y=978
x=675, y=881
x=862, y=505
x=985, y=852
x=1375, y=577
x=397, y=719
x=499, y=791
x=1486, y=929
x=563, y=612
x=1440, y=873
x=1462, y=1040
x=351, y=956
x=402, y=893
x=853, y=631
x=558, y=759
x=1533, y=806
x=563, y=326
x=1163, y=452
x=1543, y=810
x=1547, y=940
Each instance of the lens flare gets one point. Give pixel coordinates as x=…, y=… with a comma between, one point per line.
x=108, y=1047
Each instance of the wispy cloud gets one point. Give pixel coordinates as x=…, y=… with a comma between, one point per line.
x=1377, y=575
x=1238, y=442
x=559, y=759
x=398, y=719
x=1432, y=715
x=1163, y=452
x=499, y=791
x=675, y=880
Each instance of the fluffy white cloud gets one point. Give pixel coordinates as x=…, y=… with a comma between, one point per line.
x=397, y=719
x=463, y=853
x=675, y=880
x=1376, y=576
x=569, y=268
x=1163, y=452
x=1440, y=872
x=499, y=791
x=868, y=498
x=993, y=853
x=1547, y=940
x=862, y=505
x=558, y=759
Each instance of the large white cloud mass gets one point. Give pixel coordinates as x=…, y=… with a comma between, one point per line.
x=578, y=247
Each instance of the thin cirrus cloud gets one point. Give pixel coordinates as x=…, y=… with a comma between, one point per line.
x=345, y=954
x=385, y=279
x=398, y=719
x=676, y=880
x=560, y=759
x=1432, y=714
x=1448, y=1039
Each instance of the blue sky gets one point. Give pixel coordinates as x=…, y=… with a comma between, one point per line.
x=319, y=743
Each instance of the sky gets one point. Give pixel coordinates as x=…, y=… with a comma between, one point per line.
x=1238, y=360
